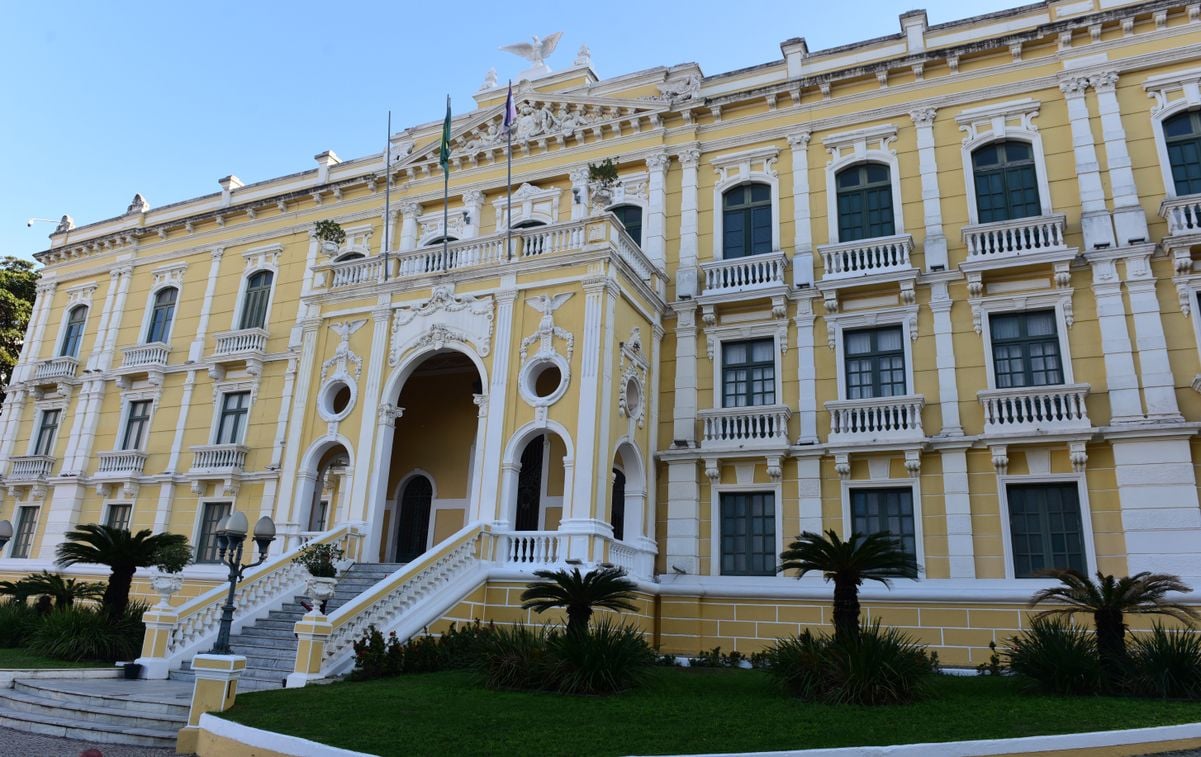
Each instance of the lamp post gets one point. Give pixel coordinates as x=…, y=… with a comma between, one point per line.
x=231, y=533
x=6, y=533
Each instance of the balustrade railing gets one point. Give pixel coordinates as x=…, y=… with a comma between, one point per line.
x=241, y=341
x=1183, y=214
x=531, y=548
x=55, y=369
x=742, y=426
x=218, y=457
x=744, y=274
x=866, y=256
x=121, y=462
x=29, y=467
x=639, y=563
x=153, y=354
x=879, y=418
x=1036, y=408
x=1013, y=238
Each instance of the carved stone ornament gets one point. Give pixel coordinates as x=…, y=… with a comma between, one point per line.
x=631, y=389
x=680, y=89
x=442, y=319
x=547, y=330
x=344, y=361
x=138, y=204
x=65, y=224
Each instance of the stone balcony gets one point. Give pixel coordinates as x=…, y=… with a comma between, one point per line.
x=55, y=370
x=1035, y=410
x=878, y=259
x=1183, y=215
x=120, y=463
x=1020, y=242
x=878, y=420
x=30, y=471
x=746, y=278
x=144, y=359
x=242, y=346
x=762, y=427
x=220, y=462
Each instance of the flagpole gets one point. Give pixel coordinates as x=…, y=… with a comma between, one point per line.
x=509, y=181
x=446, y=187
x=387, y=192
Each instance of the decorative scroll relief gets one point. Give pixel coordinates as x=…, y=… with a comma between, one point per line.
x=172, y=275
x=444, y=318
x=80, y=295
x=529, y=203
x=263, y=258
x=741, y=166
x=631, y=388
x=1173, y=88
x=344, y=359
x=547, y=330
x=431, y=225
x=998, y=120
x=860, y=144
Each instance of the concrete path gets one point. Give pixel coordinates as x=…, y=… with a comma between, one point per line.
x=19, y=744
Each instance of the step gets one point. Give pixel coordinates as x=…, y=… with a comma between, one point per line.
x=119, y=717
x=136, y=696
x=268, y=632
x=82, y=730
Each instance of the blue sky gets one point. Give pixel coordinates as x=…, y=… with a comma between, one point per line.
x=105, y=99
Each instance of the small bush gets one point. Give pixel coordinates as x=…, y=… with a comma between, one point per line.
x=379, y=657
x=882, y=666
x=715, y=658
x=1056, y=658
x=515, y=657
x=608, y=659
x=17, y=622
x=84, y=633
x=1166, y=664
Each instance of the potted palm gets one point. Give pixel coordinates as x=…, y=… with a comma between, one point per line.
x=602, y=177
x=322, y=563
x=169, y=561
x=329, y=234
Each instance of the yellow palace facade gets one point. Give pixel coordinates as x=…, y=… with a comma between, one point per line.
x=939, y=283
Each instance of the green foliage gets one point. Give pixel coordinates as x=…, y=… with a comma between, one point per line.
x=17, y=621
x=380, y=657
x=1055, y=657
x=603, y=173
x=84, y=633
x=606, y=659
x=1166, y=664
x=17, y=591
x=120, y=550
x=993, y=666
x=874, y=557
x=320, y=559
x=580, y=594
x=329, y=231
x=64, y=591
x=715, y=658
x=18, y=289
x=876, y=667
x=173, y=557
x=515, y=657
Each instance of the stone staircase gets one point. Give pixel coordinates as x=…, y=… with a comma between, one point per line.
x=137, y=713
x=269, y=644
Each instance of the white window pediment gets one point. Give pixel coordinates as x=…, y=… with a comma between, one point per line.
x=739, y=332
x=430, y=226
x=171, y=275
x=1174, y=90
x=1014, y=120
x=81, y=295
x=265, y=258
x=854, y=146
x=530, y=203
x=748, y=165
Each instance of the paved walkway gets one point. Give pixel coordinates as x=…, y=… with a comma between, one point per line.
x=20, y=744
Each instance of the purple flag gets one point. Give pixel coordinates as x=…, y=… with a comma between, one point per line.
x=510, y=110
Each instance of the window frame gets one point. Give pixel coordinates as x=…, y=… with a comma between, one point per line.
x=152, y=309
x=875, y=355
x=715, y=492
x=222, y=411
x=36, y=447
x=1025, y=342
x=624, y=205
x=1175, y=108
x=755, y=166
x=869, y=145
x=864, y=189
x=1009, y=305
x=202, y=537
x=144, y=430
x=837, y=324
x=1002, y=170
x=1086, y=518
x=889, y=482
x=109, y=510
x=66, y=331
x=244, y=293
x=25, y=531
x=717, y=336
x=775, y=380
x=1004, y=121
x=747, y=209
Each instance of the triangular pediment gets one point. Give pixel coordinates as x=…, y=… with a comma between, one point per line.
x=543, y=120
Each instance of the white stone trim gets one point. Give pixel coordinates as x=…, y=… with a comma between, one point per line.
x=222, y=388
x=802, y=261
x=838, y=323
x=1020, y=304
x=530, y=203
x=756, y=166
x=915, y=487
x=258, y=259
x=1186, y=86
x=995, y=123
x=717, y=336
x=850, y=148
x=269, y=740
x=170, y=277
x=1086, y=515
x=715, y=492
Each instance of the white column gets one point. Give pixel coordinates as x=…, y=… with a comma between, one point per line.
x=802, y=257
x=10, y=421
x=601, y=425
x=196, y=350
x=935, y=246
x=809, y=487
x=408, y=225
x=1094, y=216
x=578, y=510
x=654, y=232
x=1161, y=520
x=1129, y=219
x=301, y=400
x=652, y=470
x=83, y=432
x=685, y=408
x=106, y=315
x=806, y=371
x=961, y=553
x=365, y=462
x=32, y=349
x=473, y=204
x=1155, y=371
x=686, y=274
x=1125, y=404
x=491, y=504
x=683, y=518
x=944, y=358
x=105, y=358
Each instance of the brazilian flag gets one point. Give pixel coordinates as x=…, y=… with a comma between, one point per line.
x=444, y=152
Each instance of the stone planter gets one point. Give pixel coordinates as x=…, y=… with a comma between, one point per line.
x=318, y=590
x=600, y=198
x=166, y=585
x=330, y=248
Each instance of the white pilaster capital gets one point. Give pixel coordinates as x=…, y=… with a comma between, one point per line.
x=473, y=197
x=1106, y=81
x=217, y=253
x=799, y=140
x=410, y=209
x=923, y=117
x=578, y=175
x=689, y=157
x=685, y=315
x=658, y=161
x=48, y=287
x=1073, y=86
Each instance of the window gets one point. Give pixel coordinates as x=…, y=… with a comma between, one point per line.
x=746, y=221
x=631, y=218
x=1182, y=134
x=875, y=363
x=618, y=517
x=748, y=534
x=254, y=303
x=162, y=314
x=891, y=510
x=206, y=540
x=1006, y=184
x=1045, y=529
x=47, y=429
x=864, y=202
x=137, y=420
x=748, y=373
x=74, y=333
x=118, y=516
x=440, y=240
x=1025, y=349
x=528, y=224
x=27, y=520
x=231, y=427
x=317, y=515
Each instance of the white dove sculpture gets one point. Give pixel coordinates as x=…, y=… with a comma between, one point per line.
x=535, y=53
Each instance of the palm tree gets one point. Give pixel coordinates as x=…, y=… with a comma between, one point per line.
x=18, y=590
x=579, y=594
x=120, y=550
x=64, y=590
x=874, y=557
x=1109, y=599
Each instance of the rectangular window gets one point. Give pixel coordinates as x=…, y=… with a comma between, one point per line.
x=875, y=363
x=1025, y=349
x=137, y=420
x=27, y=521
x=748, y=373
x=231, y=428
x=118, y=516
x=891, y=510
x=748, y=534
x=206, y=540
x=1045, y=528
x=47, y=430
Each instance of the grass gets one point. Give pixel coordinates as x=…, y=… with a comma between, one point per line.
x=677, y=711
x=19, y=658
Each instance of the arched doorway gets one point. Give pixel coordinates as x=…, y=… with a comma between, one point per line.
x=617, y=513
x=627, y=501
x=413, y=523
x=326, y=505
x=541, y=483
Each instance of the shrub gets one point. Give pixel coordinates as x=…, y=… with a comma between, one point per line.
x=1166, y=664
x=715, y=658
x=1056, y=658
x=378, y=657
x=81, y=633
x=17, y=621
x=515, y=657
x=320, y=559
x=879, y=666
x=608, y=659
x=172, y=557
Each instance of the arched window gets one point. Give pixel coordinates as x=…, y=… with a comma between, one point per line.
x=631, y=218
x=618, y=517
x=528, y=224
x=254, y=302
x=349, y=256
x=440, y=240
x=1182, y=133
x=162, y=315
x=414, y=518
x=74, y=333
x=864, y=202
x=1006, y=183
x=746, y=221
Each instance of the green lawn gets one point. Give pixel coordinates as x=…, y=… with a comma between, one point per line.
x=22, y=658
x=677, y=711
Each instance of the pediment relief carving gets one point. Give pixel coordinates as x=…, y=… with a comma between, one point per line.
x=445, y=317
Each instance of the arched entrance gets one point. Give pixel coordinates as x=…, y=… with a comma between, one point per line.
x=541, y=483
x=413, y=523
x=325, y=500
x=627, y=500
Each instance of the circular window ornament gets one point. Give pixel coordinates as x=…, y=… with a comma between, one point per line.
x=544, y=380
x=336, y=399
x=631, y=397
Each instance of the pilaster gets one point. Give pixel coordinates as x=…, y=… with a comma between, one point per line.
x=961, y=553
x=683, y=518
x=809, y=489
x=1161, y=520
x=653, y=238
x=196, y=350
x=944, y=358
x=301, y=399
x=1125, y=404
x=806, y=372
x=686, y=275
x=1094, y=216
x=579, y=510
x=366, y=463
x=935, y=245
x=1159, y=385
x=802, y=257
x=489, y=505
x=1129, y=219
x=408, y=225
x=684, y=417
x=32, y=350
